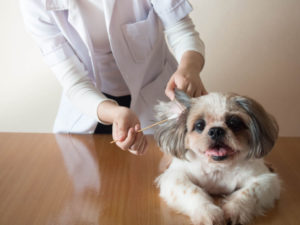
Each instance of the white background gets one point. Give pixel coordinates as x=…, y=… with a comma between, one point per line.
x=252, y=48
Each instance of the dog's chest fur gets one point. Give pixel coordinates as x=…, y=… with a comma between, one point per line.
x=215, y=183
x=215, y=178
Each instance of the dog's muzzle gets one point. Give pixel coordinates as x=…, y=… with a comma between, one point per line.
x=219, y=151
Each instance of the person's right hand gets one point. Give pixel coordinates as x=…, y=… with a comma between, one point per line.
x=125, y=132
x=125, y=125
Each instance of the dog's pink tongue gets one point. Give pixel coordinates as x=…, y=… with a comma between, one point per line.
x=218, y=152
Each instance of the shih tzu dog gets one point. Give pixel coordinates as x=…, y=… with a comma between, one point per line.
x=217, y=144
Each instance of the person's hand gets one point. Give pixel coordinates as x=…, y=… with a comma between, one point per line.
x=186, y=77
x=125, y=125
x=187, y=81
x=125, y=132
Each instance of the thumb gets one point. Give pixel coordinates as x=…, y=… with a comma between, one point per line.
x=170, y=89
x=121, y=131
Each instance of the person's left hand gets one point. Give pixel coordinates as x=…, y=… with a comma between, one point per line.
x=187, y=76
x=186, y=81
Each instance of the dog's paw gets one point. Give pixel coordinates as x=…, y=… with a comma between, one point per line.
x=237, y=213
x=208, y=214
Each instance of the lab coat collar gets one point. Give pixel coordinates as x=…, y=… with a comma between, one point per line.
x=65, y=4
x=108, y=6
x=55, y=5
x=75, y=19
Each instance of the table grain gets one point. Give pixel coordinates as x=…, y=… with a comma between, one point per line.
x=56, y=179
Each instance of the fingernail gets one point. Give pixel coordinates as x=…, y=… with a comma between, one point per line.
x=137, y=127
x=121, y=137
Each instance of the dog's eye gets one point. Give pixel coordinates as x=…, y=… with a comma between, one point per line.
x=235, y=123
x=199, y=125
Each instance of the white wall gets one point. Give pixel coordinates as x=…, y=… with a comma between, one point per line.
x=29, y=94
x=252, y=48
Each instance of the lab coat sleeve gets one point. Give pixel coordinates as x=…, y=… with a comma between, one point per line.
x=183, y=37
x=171, y=11
x=59, y=55
x=38, y=21
x=78, y=87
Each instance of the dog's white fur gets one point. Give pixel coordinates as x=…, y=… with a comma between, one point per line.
x=190, y=184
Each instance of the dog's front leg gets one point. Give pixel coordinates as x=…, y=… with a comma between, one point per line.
x=252, y=199
x=183, y=195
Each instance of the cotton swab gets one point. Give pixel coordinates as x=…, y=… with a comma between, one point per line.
x=153, y=125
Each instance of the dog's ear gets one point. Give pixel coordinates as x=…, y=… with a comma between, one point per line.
x=171, y=134
x=263, y=127
x=183, y=99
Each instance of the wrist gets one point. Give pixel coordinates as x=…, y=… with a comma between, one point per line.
x=107, y=111
x=191, y=62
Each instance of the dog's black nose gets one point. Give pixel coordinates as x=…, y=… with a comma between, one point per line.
x=216, y=132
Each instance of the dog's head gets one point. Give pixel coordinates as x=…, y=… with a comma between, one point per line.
x=218, y=126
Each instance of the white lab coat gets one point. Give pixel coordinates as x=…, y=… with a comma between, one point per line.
x=135, y=30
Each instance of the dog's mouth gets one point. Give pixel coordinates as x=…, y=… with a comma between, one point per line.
x=219, y=152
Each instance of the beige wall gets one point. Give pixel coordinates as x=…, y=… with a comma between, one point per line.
x=29, y=94
x=252, y=48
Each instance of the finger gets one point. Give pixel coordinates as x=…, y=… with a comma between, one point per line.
x=144, y=143
x=190, y=90
x=204, y=91
x=145, y=146
x=125, y=145
x=114, y=131
x=139, y=138
x=199, y=92
x=137, y=127
x=138, y=152
x=117, y=133
x=182, y=83
x=170, y=89
x=122, y=130
x=138, y=142
x=133, y=152
x=141, y=144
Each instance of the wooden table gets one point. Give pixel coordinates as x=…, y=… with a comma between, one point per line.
x=48, y=179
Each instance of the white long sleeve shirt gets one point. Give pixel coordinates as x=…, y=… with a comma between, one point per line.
x=112, y=81
x=73, y=77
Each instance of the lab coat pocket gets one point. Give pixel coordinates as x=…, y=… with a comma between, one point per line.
x=155, y=90
x=151, y=94
x=141, y=36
